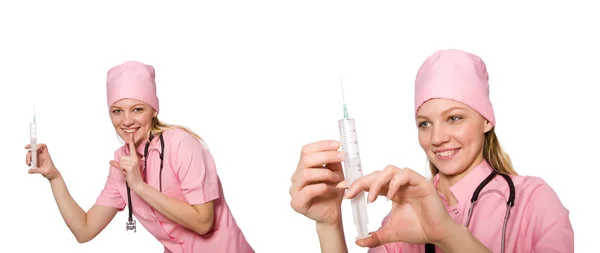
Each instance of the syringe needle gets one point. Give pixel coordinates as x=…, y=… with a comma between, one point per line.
x=343, y=96
x=344, y=99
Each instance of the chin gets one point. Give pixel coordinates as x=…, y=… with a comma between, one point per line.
x=453, y=166
x=450, y=170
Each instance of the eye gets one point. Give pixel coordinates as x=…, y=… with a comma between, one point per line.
x=116, y=111
x=138, y=109
x=454, y=118
x=423, y=124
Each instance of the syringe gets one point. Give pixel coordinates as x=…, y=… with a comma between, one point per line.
x=33, y=139
x=353, y=169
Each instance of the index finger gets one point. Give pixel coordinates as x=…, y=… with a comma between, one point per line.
x=132, y=149
x=403, y=177
x=39, y=146
x=326, y=145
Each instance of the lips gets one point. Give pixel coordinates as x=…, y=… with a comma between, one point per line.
x=446, y=154
x=130, y=131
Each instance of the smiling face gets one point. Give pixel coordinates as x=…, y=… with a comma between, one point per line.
x=130, y=116
x=452, y=135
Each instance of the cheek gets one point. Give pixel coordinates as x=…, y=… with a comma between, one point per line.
x=146, y=120
x=469, y=135
x=424, y=139
x=115, y=121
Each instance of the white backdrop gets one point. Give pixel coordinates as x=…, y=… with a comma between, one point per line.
x=260, y=79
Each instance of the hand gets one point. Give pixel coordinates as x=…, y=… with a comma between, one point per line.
x=418, y=215
x=45, y=166
x=130, y=165
x=313, y=188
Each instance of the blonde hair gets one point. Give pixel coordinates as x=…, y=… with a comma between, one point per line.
x=492, y=153
x=158, y=127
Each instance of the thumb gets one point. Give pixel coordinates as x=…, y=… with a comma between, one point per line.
x=115, y=164
x=35, y=170
x=375, y=239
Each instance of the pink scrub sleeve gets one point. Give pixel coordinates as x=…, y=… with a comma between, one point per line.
x=196, y=170
x=110, y=195
x=549, y=225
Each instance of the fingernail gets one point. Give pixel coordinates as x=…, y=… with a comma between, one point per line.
x=342, y=185
x=341, y=155
x=347, y=195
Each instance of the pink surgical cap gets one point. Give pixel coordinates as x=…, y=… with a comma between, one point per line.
x=457, y=75
x=134, y=80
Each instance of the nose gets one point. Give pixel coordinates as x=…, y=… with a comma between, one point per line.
x=439, y=136
x=128, y=120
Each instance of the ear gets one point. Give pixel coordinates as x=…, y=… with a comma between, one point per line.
x=155, y=114
x=488, y=127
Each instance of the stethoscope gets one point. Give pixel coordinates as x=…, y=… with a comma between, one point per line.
x=131, y=222
x=430, y=248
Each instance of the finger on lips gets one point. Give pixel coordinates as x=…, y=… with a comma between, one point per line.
x=132, y=149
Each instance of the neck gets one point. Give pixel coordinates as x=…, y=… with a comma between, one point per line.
x=447, y=181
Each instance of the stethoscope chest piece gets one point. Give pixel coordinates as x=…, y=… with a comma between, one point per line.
x=131, y=226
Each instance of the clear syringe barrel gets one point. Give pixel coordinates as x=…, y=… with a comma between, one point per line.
x=352, y=171
x=33, y=144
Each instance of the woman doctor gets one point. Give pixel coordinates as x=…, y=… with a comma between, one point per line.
x=178, y=197
x=455, y=122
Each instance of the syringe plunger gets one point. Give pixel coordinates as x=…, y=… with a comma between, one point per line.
x=33, y=144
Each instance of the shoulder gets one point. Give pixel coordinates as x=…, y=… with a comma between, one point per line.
x=177, y=134
x=543, y=216
x=537, y=196
x=525, y=186
x=179, y=139
x=531, y=186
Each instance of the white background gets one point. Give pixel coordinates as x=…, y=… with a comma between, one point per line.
x=259, y=80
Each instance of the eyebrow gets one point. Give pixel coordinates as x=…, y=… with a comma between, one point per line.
x=135, y=105
x=454, y=108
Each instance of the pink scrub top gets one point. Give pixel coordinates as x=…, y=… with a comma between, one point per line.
x=189, y=174
x=538, y=221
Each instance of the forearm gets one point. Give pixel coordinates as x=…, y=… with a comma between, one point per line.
x=177, y=211
x=73, y=215
x=331, y=238
x=460, y=239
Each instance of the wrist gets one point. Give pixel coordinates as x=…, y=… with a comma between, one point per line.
x=331, y=236
x=458, y=238
x=56, y=178
x=329, y=226
x=451, y=235
x=138, y=187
